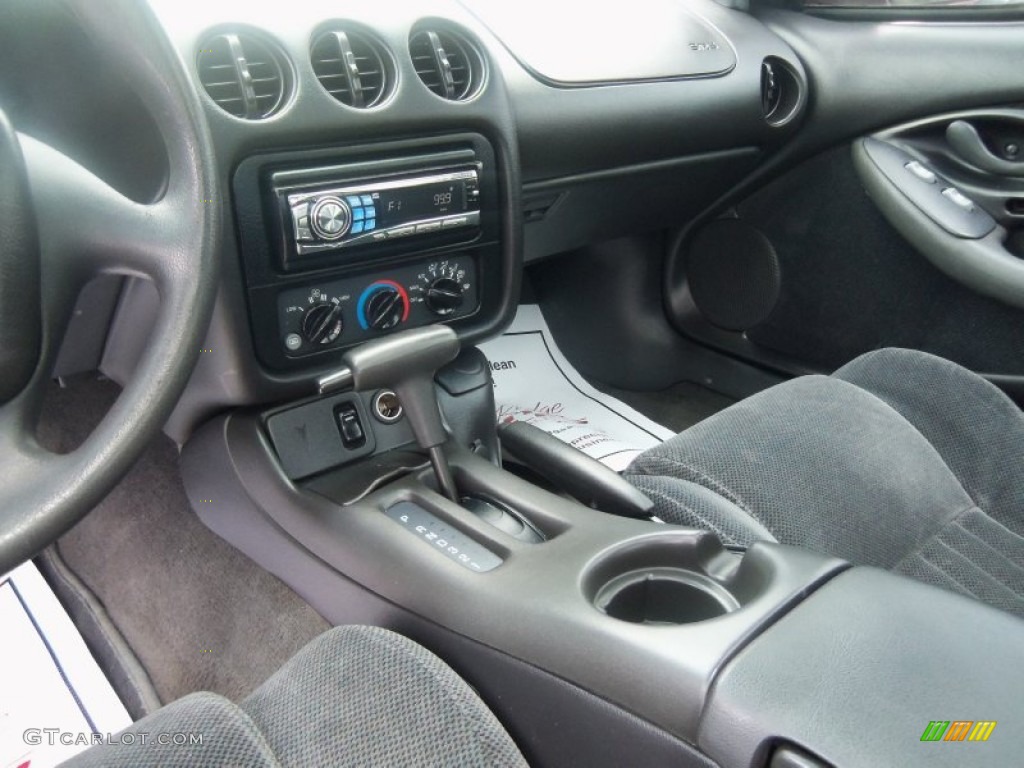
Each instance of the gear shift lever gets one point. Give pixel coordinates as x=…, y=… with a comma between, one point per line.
x=406, y=362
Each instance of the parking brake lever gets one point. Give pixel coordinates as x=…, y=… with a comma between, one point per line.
x=406, y=363
x=573, y=471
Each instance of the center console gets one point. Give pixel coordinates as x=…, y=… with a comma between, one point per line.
x=661, y=645
x=643, y=615
x=343, y=245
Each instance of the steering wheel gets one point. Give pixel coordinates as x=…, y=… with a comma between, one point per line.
x=61, y=226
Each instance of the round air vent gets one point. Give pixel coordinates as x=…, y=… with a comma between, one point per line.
x=782, y=94
x=243, y=75
x=351, y=66
x=447, y=63
x=771, y=90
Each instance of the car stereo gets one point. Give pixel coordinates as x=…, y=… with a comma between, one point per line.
x=342, y=244
x=335, y=216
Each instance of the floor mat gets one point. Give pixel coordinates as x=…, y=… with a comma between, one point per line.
x=679, y=407
x=53, y=696
x=533, y=382
x=198, y=614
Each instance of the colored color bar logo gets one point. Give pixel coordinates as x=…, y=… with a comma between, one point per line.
x=958, y=730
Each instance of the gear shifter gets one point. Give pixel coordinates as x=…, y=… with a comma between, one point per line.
x=406, y=363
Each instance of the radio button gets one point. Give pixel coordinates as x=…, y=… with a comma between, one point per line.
x=367, y=200
x=357, y=228
x=300, y=221
x=354, y=201
x=430, y=226
x=330, y=218
x=371, y=223
x=378, y=236
x=358, y=214
x=401, y=231
x=455, y=221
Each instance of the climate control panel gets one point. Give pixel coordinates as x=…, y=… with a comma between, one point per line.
x=344, y=311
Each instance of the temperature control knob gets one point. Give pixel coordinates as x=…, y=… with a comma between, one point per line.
x=330, y=217
x=443, y=296
x=321, y=324
x=385, y=308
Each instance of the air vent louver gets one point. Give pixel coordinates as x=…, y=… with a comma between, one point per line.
x=242, y=74
x=771, y=90
x=350, y=67
x=448, y=65
x=781, y=91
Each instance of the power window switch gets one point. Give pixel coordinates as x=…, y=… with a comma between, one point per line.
x=351, y=428
x=958, y=198
x=924, y=174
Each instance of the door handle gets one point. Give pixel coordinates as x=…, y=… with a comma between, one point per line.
x=967, y=143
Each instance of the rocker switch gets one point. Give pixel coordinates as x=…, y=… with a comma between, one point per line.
x=351, y=428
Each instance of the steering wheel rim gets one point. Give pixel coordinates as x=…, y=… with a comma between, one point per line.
x=86, y=228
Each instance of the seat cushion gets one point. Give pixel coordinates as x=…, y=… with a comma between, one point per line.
x=355, y=696
x=228, y=738
x=899, y=460
x=360, y=696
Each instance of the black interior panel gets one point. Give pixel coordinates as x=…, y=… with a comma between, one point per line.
x=851, y=284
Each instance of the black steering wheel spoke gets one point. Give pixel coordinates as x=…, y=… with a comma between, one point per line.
x=86, y=227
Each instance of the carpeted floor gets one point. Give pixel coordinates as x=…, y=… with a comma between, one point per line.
x=679, y=407
x=198, y=614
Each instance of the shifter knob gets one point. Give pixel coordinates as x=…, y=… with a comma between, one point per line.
x=406, y=363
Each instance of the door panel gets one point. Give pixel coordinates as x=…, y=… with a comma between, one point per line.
x=851, y=283
x=954, y=187
x=842, y=278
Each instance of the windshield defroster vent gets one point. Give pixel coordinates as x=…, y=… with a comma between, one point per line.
x=351, y=67
x=243, y=75
x=446, y=63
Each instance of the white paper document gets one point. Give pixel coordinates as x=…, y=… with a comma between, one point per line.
x=53, y=696
x=533, y=382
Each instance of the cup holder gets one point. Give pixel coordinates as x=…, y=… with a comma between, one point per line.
x=668, y=578
x=664, y=596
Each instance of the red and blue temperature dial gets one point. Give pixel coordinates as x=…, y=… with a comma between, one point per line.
x=382, y=306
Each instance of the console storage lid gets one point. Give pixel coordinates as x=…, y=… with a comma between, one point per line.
x=857, y=672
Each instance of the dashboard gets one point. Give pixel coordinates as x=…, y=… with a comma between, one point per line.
x=395, y=165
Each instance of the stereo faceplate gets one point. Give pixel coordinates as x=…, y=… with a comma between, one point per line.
x=321, y=216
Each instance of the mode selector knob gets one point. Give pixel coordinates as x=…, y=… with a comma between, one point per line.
x=385, y=308
x=444, y=296
x=330, y=218
x=322, y=324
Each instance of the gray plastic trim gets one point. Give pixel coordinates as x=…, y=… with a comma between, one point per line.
x=658, y=673
x=553, y=722
x=983, y=264
x=857, y=671
x=930, y=196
